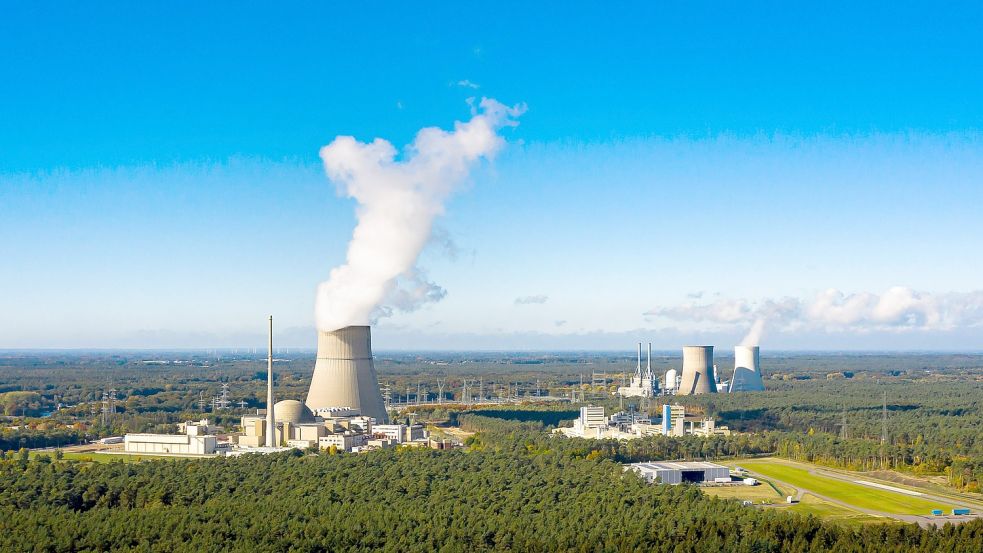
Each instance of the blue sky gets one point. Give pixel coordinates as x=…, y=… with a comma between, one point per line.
x=160, y=182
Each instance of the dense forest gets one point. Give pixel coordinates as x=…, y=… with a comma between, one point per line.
x=514, y=499
x=824, y=408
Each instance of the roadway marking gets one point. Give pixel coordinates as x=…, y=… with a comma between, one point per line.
x=889, y=488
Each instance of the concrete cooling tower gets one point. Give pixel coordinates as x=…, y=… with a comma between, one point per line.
x=697, y=371
x=344, y=375
x=747, y=373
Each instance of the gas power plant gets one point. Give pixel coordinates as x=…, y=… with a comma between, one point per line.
x=699, y=375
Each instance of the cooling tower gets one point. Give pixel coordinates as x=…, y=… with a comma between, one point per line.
x=747, y=373
x=344, y=375
x=697, y=371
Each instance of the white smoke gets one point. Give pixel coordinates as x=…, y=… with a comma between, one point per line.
x=753, y=336
x=899, y=309
x=397, y=203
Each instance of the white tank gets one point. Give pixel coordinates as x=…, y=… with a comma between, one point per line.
x=344, y=374
x=671, y=375
x=697, y=371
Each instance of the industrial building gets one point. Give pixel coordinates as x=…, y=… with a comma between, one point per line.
x=643, y=384
x=698, y=374
x=678, y=472
x=344, y=373
x=593, y=424
x=193, y=441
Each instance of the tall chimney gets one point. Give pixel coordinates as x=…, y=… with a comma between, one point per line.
x=270, y=421
x=697, y=371
x=638, y=365
x=648, y=365
x=344, y=374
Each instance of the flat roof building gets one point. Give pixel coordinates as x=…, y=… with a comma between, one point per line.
x=677, y=472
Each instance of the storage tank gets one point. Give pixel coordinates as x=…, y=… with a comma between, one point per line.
x=671, y=375
x=698, y=375
x=344, y=374
x=747, y=373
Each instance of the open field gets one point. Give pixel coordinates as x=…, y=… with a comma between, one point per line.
x=757, y=494
x=857, y=495
x=830, y=511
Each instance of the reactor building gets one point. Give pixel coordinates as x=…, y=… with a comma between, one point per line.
x=643, y=383
x=747, y=373
x=344, y=374
x=698, y=377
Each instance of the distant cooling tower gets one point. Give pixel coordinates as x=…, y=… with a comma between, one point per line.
x=344, y=375
x=747, y=373
x=697, y=371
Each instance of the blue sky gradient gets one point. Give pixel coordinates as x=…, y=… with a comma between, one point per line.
x=160, y=185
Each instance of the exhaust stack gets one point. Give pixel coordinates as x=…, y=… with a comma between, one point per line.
x=344, y=374
x=270, y=420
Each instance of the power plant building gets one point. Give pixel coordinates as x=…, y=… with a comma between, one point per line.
x=193, y=441
x=747, y=372
x=643, y=383
x=698, y=377
x=344, y=374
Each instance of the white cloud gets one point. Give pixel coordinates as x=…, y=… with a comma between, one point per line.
x=531, y=300
x=899, y=309
x=468, y=84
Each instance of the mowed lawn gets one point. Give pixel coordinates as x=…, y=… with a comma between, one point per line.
x=857, y=495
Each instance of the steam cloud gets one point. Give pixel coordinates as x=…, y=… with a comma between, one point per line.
x=398, y=201
x=899, y=309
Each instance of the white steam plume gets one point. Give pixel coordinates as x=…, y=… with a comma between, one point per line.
x=397, y=204
x=753, y=336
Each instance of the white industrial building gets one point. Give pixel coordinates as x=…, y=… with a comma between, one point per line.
x=643, y=383
x=593, y=424
x=678, y=472
x=193, y=441
x=401, y=433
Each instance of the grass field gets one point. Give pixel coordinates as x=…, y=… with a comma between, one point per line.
x=829, y=511
x=100, y=457
x=757, y=494
x=852, y=494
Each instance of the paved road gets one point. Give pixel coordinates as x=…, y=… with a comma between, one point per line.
x=924, y=521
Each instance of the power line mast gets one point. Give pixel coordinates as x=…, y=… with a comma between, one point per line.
x=884, y=437
x=884, y=421
x=844, y=433
x=440, y=390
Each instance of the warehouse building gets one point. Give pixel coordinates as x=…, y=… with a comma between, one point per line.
x=678, y=472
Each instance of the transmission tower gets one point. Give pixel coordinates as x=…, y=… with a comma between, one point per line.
x=884, y=421
x=844, y=433
x=440, y=390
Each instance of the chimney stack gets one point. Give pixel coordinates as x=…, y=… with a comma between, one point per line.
x=270, y=421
